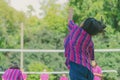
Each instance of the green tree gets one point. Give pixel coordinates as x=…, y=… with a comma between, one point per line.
x=109, y=9
x=47, y=33
x=38, y=67
x=30, y=10
x=10, y=20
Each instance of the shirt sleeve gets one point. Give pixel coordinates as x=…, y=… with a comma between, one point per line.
x=20, y=77
x=67, y=63
x=99, y=70
x=4, y=75
x=91, y=51
x=70, y=25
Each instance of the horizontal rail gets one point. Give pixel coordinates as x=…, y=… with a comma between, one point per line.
x=66, y=72
x=49, y=51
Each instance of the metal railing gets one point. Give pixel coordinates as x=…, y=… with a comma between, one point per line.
x=48, y=51
x=55, y=51
x=66, y=72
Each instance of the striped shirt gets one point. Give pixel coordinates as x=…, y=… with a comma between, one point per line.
x=78, y=45
x=12, y=74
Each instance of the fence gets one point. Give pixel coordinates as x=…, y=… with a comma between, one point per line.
x=53, y=51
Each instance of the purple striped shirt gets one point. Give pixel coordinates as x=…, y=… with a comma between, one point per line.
x=78, y=45
x=12, y=74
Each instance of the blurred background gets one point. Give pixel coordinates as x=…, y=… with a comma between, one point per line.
x=42, y=25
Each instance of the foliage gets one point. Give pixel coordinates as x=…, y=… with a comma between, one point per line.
x=37, y=67
x=10, y=20
x=49, y=32
x=109, y=10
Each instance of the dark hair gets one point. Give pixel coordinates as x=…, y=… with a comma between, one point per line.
x=92, y=26
x=14, y=65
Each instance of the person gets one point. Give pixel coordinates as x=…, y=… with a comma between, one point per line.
x=13, y=73
x=63, y=77
x=24, y=75
x=44, y=76
x=97, y=71
x=79, y=47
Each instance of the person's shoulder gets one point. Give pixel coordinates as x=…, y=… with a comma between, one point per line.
x=98, y=67
x=18, y=70
x=9, y=69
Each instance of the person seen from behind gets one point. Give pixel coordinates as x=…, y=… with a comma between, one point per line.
x=13, y=73
x=79, y=47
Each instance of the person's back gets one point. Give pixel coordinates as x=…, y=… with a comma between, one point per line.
x=79, y=47
x=12, y=74
x=44, y=76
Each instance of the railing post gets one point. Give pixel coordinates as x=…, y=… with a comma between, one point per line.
x=22, y=44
